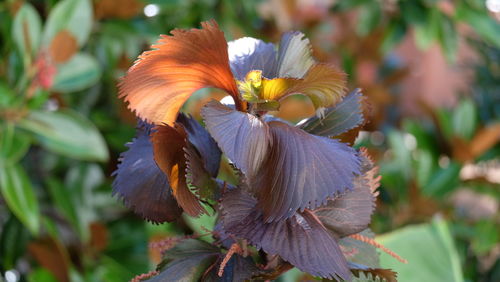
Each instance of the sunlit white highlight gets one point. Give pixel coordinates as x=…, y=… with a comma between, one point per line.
x=151, y=10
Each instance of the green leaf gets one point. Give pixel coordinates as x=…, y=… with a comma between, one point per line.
x=81, y=72
x=360, y=252
x=482, y=23
x=430, y=252
x=13, y=144
x=41, y=274
x=369, y=18
x=464, y=119
x=72, y=15
x=68, y=133
x=486, y=236
x=63, y=200
x=428, y=31
x=424, y=166
x=448, y=38
x=13, y=240
x=7, y=96
x=395, y=32
x=200, y=224
x=445, y=123
x=26, y=29
x=20, y=197
x=443, y=180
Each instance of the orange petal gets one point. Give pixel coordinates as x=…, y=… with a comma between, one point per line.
x=161, y=80
x=168, y=146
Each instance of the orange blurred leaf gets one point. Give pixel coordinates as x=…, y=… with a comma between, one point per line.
x=52, y=255
x=63, y=46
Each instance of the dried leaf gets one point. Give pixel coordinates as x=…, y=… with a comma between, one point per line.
x=141, y=184
x=168, y=147
x=162, y=79
x=300, y=239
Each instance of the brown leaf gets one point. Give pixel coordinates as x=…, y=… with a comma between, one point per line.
x=63, y=46
x=162, y=79
x=98, y=236
x=168, y=147
x=485, y=139
x=51, y=255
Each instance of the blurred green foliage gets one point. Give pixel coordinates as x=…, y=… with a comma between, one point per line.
x=62, y=128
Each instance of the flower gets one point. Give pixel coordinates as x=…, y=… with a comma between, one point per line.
x=300, y=190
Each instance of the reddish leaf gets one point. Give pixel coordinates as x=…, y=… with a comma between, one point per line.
x=242, y=137
x=168, y=147
x=302, y=171
x=63, y=46
x=288, y=168
x=52, y=255
x=300, y=239
x=203, y=143
x=161, y=80
x=141, y=184
x=205, y=186
x=345, y=116
x=351, y=213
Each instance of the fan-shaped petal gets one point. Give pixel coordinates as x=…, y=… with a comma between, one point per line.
x=161, y=80
x=141, y=184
